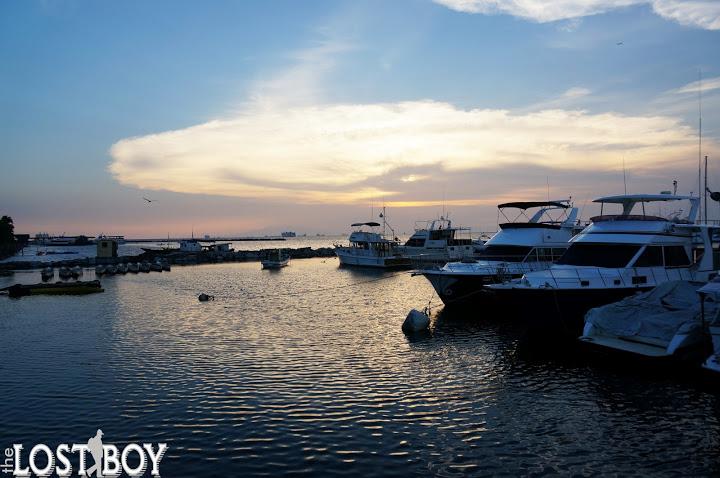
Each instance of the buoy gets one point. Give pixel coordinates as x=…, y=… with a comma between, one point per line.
x=415, y=321
x=205, y=297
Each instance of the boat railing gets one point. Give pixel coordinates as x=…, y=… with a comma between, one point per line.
x=621, y=277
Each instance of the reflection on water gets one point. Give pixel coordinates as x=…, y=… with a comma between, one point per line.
x=275, y=376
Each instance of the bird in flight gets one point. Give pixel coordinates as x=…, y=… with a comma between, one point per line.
x=148, y=200
x=619, y=43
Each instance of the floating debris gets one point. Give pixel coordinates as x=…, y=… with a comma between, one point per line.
x=205, y=297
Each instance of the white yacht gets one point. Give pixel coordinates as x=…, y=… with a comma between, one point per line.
x=617, y=255
x=438, y=241
x=370, y=248
x=533, y=236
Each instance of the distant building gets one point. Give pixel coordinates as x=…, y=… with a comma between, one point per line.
x=107, y=248
x=288, y=234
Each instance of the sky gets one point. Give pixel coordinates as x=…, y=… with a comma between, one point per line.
x=243, y=118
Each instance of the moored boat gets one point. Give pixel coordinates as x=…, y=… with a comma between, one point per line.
x=275, y=262
x=665, y=323
x=370, y=248
x=535, y=234
x=617, y=255
x=47, y=273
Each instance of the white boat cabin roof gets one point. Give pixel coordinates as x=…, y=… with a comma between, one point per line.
x=629, y=201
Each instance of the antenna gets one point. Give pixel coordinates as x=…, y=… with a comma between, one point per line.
x=706, y=190
x=624, y=176
x=547, y=182
x=700, y=133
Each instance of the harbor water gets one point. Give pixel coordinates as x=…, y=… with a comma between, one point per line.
x=306, y=371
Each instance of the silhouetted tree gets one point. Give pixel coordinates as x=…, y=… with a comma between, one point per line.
x=7, y=230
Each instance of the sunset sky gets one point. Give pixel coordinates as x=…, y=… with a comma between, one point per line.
x=257, y=117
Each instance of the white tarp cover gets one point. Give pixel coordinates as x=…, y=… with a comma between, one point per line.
x=656, y=314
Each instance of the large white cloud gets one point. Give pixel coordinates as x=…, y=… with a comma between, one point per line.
x=696, y=13
x=334, y=153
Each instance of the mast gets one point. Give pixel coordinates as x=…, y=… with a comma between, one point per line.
x=706, y=190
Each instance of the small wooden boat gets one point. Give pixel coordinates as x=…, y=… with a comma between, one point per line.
x=65, y=273
x=275, y=263
x=47, y=274
x=58, y=288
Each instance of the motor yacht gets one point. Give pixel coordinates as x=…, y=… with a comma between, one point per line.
x=531, y=237
x=438, y=241
x=617, y=255
x=369, y=247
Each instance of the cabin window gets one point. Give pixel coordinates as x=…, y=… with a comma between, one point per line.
x=652, y=256
x=505, y=253
x=599, y=255
x=676, y=256
x=415, y=242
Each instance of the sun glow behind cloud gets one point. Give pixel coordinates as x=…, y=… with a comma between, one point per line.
x=334, y=153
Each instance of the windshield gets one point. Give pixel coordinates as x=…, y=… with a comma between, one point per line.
x=504, y=253
x=599, y=255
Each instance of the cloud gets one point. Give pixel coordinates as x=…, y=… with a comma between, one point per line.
x=696, y=13
x=334, y=153
x=706, y=85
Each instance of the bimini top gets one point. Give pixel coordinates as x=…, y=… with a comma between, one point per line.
x=369, y=224
x=528, y=204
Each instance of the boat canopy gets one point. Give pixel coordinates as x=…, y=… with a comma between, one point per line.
x=369, y=224
x=628, y=201
x=529, y=204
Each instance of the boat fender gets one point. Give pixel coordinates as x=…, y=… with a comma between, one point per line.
x=205, y=297
x=415, y=321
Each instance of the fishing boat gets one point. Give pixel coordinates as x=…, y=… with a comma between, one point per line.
x=617, y=255
x=532, y=236
x=369, y=247
x=58, y=288
x=663, y=324
x=438, y=241
x=275, y=262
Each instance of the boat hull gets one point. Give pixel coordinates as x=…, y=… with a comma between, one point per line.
x=377, y=262
x=563, y=308
x=461, y=290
